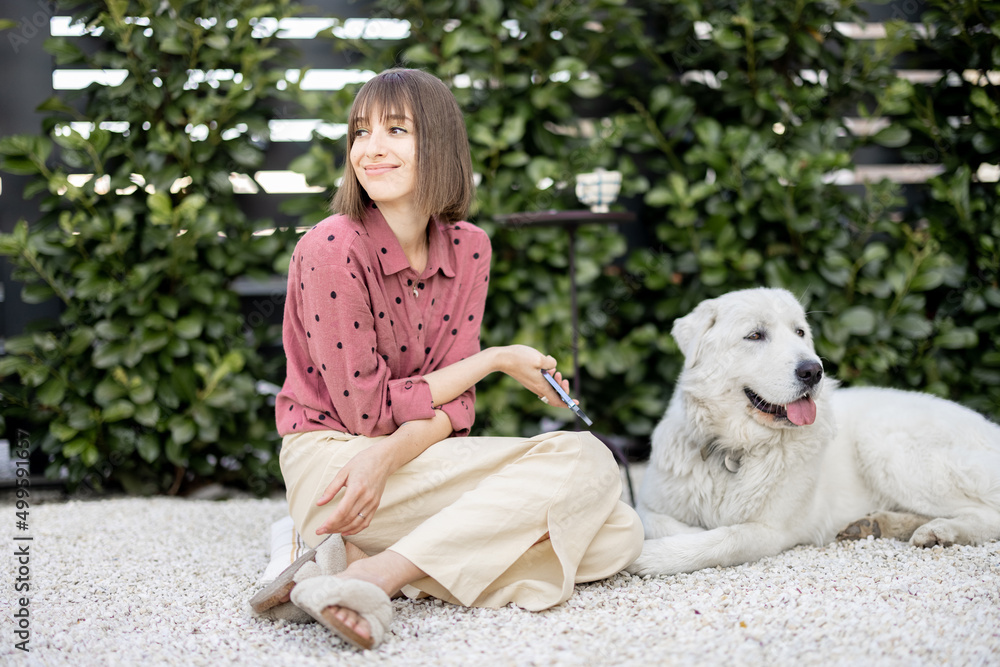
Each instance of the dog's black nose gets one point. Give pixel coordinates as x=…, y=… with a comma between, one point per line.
x=809, y=372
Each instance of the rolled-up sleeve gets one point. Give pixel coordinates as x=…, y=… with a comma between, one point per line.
x=410, y=399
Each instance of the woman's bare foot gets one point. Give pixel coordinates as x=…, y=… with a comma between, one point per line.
x=352, y=554
x=387, y=570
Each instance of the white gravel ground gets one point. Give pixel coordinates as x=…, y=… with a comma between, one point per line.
x=166, y=581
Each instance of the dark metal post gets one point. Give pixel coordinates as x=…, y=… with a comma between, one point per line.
x=575, y=315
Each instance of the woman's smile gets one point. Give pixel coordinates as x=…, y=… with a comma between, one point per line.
x=379, y=169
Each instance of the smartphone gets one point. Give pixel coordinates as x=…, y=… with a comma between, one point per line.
x=570, y=403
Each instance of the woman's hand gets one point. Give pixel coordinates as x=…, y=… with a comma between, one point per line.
x=364, y=477
x=363, y=480
x=525, y=364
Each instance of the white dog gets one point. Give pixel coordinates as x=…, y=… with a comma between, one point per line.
x=759, y=452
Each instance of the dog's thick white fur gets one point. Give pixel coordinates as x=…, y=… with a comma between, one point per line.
x=758, y=451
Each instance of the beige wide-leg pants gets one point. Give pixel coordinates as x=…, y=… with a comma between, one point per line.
x=473, y=513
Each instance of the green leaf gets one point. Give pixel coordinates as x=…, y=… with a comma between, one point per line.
x=141, y=392
x=36, y=293
x=875, y=252
x=540, y=168
x=175, y=453
x=189, y=327
x=491, y=9
x=463, y=38
x=709, y=131
x=90, y=456
x=161, y=208
x=986, y=143
x=148, y=414
x=65, y=51
x=218, y=42
x=182, y=429
x=957, y=338
x=112, y=329
x=108, y=390
x=148, y=446
x=175, y=46
x=587, y=87
x=52, y=392
x=37, y=149
x=61, y=431
x=728, y=39
x=81, y=417
x=927, y=280
x=168, y=306
x=132, y=353
x=512, y=130
x=660, y=98
x=75, y=447
x=913, y=326
x=515, y=159
x=19, y=166
x=79, y=341
x=859, y=320
x=659, y=196
x=419, y=54
x=893, y=136
x=11, y=365
x=773, y=47
x=243, y=154
x=118, y=410
x=108, y=355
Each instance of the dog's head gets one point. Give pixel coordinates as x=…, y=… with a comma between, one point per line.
x=751, y=353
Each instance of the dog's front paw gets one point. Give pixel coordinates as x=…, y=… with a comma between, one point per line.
x=645, y=565
x=935, y=533
x=670, y=555
x=861, y=529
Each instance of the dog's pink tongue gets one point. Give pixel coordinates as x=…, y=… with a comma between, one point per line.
x=802, y=411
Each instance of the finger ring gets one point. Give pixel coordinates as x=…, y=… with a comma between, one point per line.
x=361, y=515
x=545, y=399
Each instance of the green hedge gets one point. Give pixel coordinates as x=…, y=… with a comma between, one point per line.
x=148, y=379
x=728, y=171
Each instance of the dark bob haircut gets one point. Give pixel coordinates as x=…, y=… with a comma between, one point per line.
x=444, y=185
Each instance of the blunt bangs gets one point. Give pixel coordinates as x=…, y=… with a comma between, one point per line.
x=386, y=98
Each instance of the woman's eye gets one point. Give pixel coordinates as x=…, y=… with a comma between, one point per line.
x=397, y=130
x=360, y=132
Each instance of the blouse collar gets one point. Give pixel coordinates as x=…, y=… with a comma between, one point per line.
x=390, y=252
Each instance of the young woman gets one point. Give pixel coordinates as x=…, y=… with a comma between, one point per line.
x=381, y=331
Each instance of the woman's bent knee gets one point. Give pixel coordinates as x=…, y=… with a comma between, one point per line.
x=599, y=469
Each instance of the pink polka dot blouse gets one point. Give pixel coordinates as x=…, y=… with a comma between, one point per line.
x=361, y=327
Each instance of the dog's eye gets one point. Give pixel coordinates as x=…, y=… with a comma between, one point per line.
x=801, y=333
x=756, y=335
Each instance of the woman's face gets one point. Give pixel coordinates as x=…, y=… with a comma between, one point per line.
x=384, y=157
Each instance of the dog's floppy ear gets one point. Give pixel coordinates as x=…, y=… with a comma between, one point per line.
x=689, y=331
